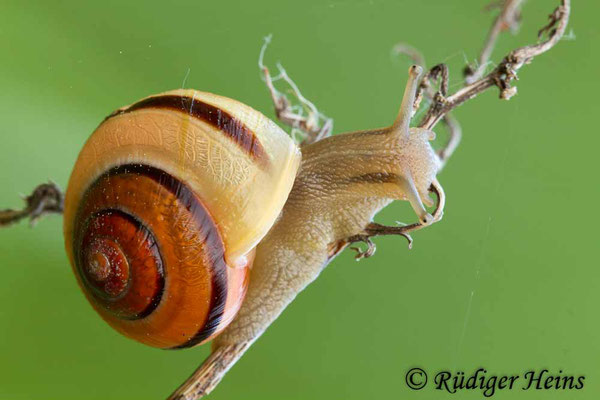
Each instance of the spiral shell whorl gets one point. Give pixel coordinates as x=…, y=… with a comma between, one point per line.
x=164, y=207
x=141, y=233
x=119, y=262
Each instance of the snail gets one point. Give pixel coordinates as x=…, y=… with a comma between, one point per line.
x=174, y=198
x=190, y=216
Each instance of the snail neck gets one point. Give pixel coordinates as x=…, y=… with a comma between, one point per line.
x=342, y=183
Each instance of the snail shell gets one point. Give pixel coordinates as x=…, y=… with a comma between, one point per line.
x=165, y=205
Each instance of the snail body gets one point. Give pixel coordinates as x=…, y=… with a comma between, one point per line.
x=343, y=181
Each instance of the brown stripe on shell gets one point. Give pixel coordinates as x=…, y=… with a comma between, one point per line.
x=233, y=128
x=214, y=243
x=207, y=230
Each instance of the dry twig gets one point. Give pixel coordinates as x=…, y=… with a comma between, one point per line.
x=210, y=373
x=45, y=199
x=509, y=18
x=315, y=125
x=505, y=72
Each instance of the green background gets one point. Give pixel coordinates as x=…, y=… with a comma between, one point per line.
x=508, y=280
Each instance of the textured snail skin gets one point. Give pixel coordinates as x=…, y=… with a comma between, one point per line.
x=164, y=207
x=343, y=181
x=337, y=193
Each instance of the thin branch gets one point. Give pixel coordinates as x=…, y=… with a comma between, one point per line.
x=509, y=18
x=209, y=374
x=454, y=137
x=505, y=72
x=47, y=198
x=314, y=126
